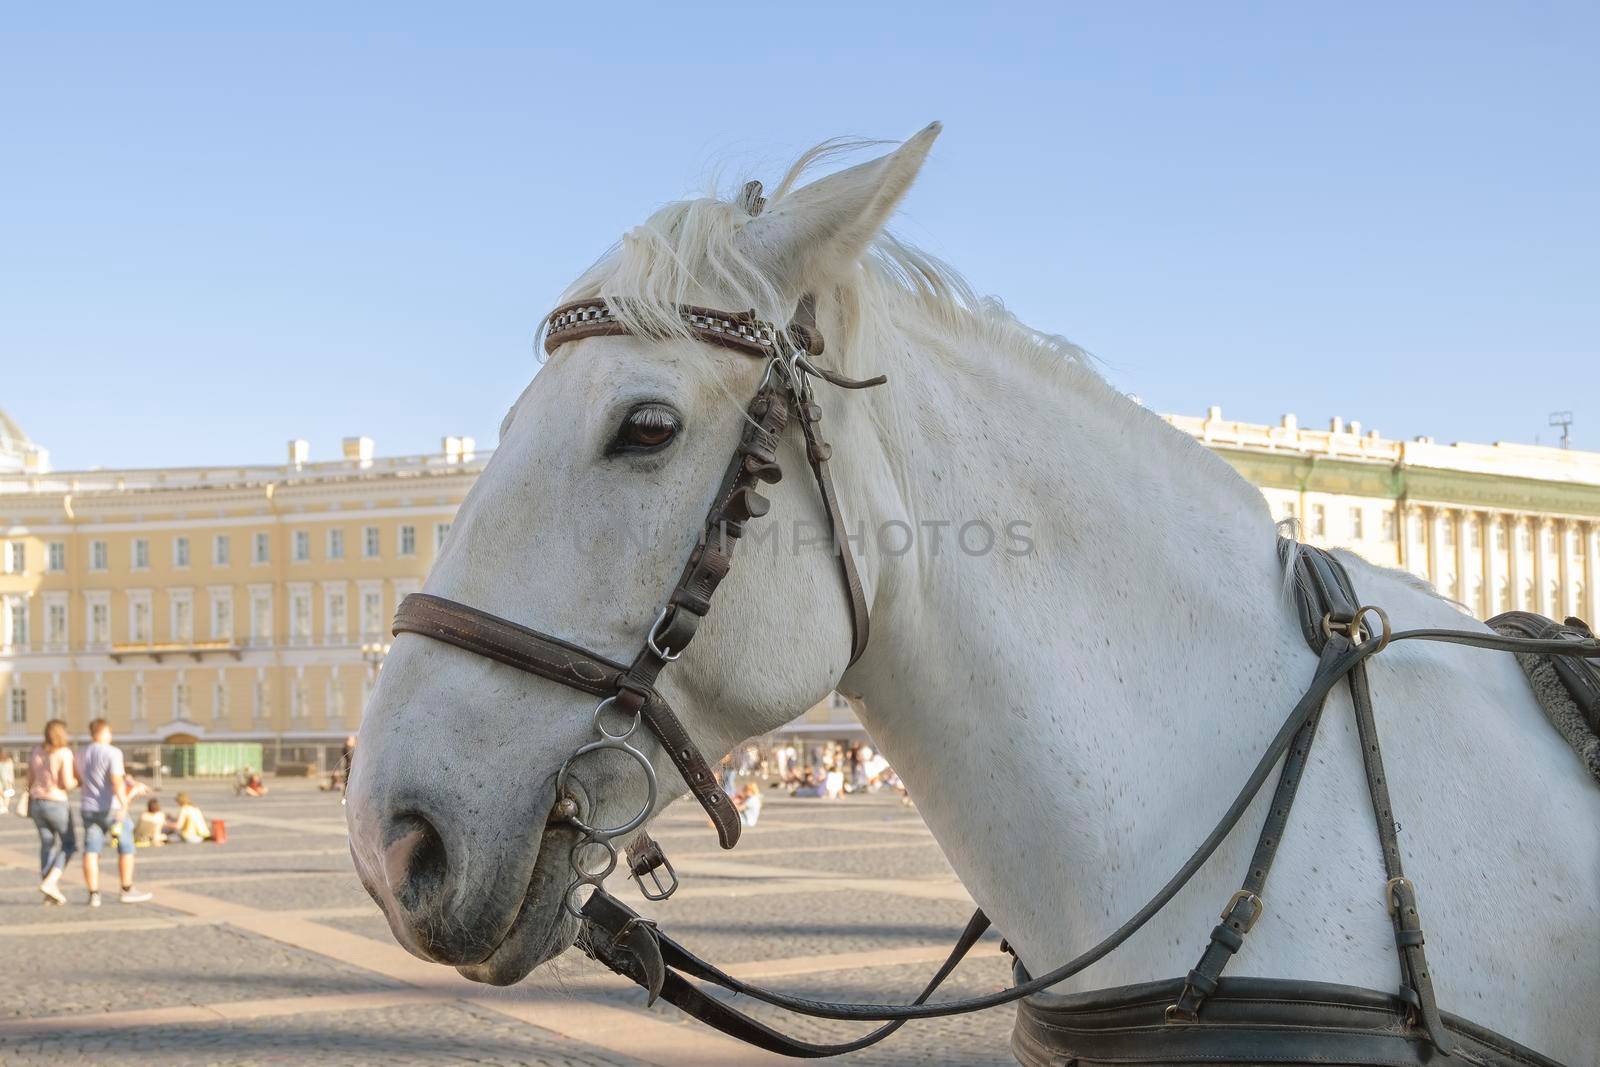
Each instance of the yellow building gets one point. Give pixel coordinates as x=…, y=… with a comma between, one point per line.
x=213, y=603
x=253, y=603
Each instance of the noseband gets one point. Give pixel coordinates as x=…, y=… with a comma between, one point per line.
x=628, y=689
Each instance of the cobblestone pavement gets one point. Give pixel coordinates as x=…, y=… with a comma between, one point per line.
x=267, y=951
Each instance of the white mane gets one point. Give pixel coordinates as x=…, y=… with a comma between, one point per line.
x=690, y=248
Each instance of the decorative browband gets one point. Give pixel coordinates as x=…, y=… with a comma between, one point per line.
x=594, y=318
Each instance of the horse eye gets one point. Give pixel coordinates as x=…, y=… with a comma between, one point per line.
x=646, y=428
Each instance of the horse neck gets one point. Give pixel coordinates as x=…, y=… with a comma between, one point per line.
x=1027, y=699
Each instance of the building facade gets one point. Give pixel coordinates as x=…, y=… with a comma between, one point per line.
x=253, y=603
x=1495, y=527
x=211, y=604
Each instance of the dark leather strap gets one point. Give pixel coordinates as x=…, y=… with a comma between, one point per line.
x=818, y=452
x=507, y=642
x=1400, y=894
x=1323, y=597
x=634, y=957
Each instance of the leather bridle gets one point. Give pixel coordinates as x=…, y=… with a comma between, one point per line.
x=628, y=690
x=612, y=933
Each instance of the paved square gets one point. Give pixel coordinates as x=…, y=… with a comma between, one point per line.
x=267, y=951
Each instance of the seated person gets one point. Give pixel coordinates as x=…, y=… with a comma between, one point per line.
x=253, y=785
x=152, y=825
x=748, y=804
x=809, y=786
x=190, y=826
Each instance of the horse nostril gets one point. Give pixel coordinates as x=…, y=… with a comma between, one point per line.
x=414, y=860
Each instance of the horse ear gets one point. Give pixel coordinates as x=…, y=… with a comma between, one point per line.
x=824, y=228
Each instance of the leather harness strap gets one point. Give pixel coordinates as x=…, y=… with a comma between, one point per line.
x=1323, y=588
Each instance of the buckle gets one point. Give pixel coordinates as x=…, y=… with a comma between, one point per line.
x=665, y=655
x=646, y=859
x=1175, y=1014
x=1391, y=901
x=1244, y=896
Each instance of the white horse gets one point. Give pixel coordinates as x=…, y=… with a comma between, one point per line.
x=1071, y=708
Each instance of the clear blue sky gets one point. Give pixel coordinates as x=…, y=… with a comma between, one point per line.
x=220, y=229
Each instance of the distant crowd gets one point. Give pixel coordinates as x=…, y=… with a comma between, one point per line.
x=829, y=770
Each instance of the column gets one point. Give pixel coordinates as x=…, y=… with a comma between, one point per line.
x=1591, y=574
x=1486, y=568
x=1566, y=573
x=1514, y=562
x=1436, y=549
x=1402, y=535
x=1459, y=520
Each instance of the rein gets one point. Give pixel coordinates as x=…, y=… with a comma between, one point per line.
x=1330, y=614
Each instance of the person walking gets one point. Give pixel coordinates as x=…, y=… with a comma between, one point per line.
x=51, y=774
x=106, y=795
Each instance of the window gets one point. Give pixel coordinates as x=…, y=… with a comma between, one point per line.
x=219, y=699
x=56, y=557
x=302, y=546
x=52, y=701
x=336, y=620
x=408, y=540
x=136, y=707
x=222, y=614
x=141, y=553
x=180, y=551
x=259, y=696
x=261, y=617
x=300, y=616
x=99, y=699
x=98, y=556
x=1390, y=526
x=1358, y=529
x=139, y=618
x=1319, y=521
x=262, y=550
x=297, y=698
x=369, y=542
x=1524, y=538
x=441, y=530
x=1474, y=534
x=99, y=620
x=19, y=704
x=221, y=550
x=16, y=622
x=334, y=703
x=336, y=544
x=16, y=557
x=371, y=613
x=55, y=623
x=182, y=616
x=1499, y=536
x=1289, y=510
x=180, y=698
